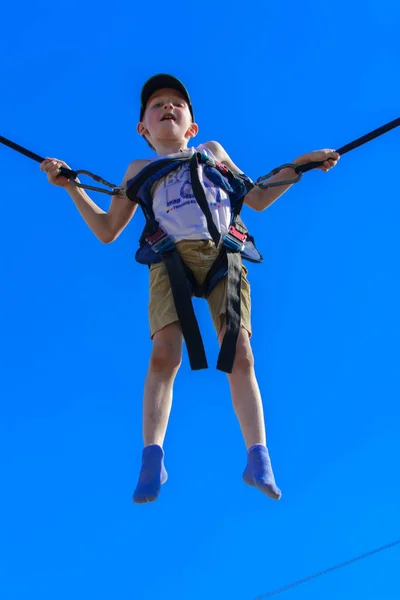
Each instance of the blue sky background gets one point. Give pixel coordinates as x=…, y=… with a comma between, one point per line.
x=269, y=81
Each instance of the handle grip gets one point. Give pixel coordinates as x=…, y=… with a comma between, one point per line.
x=68, y=173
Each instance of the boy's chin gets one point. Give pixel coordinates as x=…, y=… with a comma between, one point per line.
x=172, y=138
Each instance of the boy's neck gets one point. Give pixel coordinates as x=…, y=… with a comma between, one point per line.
x=165, y=147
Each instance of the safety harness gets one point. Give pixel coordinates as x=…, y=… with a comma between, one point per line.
x=156, y=246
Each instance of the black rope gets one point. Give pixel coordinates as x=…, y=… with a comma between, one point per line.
x=68, y=173
x=263, y=182
x=329, y=570
x=352, y=145
x=21, y=149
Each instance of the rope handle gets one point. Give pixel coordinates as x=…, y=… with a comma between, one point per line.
x=263, y=183
x=70, y=174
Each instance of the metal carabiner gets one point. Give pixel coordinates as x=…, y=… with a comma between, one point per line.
x=259, y=183
x=72, y=175
x=68, y=173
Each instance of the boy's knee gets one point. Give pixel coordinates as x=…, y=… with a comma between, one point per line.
x=162, y=359
x=166, y=354
x=244, y=358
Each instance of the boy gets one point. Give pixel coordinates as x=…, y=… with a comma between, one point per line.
x=167, y=124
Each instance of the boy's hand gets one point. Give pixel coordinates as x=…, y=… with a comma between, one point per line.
x=329, y=158
x=51, y=167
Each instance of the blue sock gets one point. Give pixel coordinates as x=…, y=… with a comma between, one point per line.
x=152, y=475
x=258, y=472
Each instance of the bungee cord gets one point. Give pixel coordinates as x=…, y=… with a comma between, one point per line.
x=329, y=570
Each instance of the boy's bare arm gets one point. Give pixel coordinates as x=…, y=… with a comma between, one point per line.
x=105, y=225
x=121, y=208
x=259, y=199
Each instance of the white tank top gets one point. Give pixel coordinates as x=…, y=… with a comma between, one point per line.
x=176, y=209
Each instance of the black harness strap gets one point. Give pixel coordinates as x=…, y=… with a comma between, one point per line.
x=227, y=353
x=184, y=309
x=201, y=198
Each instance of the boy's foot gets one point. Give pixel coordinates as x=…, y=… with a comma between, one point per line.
x=152, y=475
x=258, y=472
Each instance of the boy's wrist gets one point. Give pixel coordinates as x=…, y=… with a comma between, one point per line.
x=300, y=160
x=70, y=185
x=289, y=171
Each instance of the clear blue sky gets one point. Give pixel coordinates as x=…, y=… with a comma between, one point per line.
x=269, y=81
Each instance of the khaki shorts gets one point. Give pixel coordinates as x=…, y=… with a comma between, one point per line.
x=198, y=255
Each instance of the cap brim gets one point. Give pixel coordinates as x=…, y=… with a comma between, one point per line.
x=159, y=82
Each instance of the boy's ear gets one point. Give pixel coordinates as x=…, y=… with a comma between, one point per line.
x=141, y=129
x=193, y=130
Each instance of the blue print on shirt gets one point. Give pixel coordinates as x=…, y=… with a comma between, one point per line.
x=186, y=196
x=186, y=192
x=176, y=177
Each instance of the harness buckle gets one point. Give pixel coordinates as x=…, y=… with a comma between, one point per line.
x=223, y=169
x=207, y=160
x=160, y=241
x=234, y=240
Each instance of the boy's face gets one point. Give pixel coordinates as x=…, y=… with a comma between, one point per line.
x=167, y=117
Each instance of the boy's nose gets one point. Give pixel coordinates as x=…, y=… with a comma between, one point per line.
x=168, y=105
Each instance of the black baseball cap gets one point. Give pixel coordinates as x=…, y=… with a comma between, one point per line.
x=158, y=82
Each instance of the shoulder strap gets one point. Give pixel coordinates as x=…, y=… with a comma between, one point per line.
x=200, y=196
x=133, y=185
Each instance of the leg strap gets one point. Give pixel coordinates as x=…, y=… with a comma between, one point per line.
x=183, y=303
x=227, y=353
x=183, y=286
x=228, y=264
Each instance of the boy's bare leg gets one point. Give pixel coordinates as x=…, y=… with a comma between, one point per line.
x=165, y=360
x=245, y=392
x=248, y=407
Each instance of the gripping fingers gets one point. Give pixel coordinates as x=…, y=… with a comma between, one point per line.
x=52, y=166
x=328, y=164
x=331, y=161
